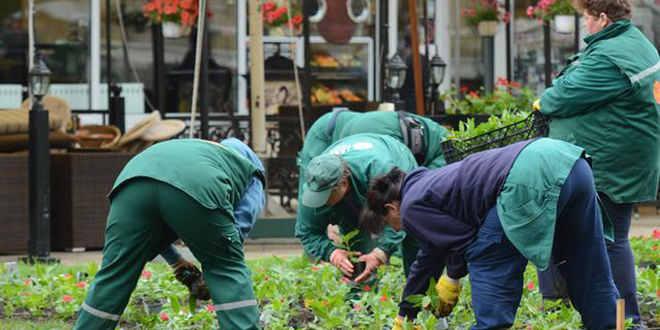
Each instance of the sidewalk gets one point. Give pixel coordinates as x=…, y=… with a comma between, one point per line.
x=259, y=248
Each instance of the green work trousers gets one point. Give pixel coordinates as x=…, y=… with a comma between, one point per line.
x=145, y=216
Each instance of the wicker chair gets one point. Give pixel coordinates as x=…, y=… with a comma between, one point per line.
x=57, y=107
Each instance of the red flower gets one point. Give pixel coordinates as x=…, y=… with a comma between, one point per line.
x=503, y=82
x=297, y=19
x=210, y=308
x=473, y=94
x=150, y=6
x=314, y=268
x=268, y=6
x=367, y=288
x=656, y=233
x=515, y=84
x=272, y=17
x=185, y=17
x=531, y=286
x=655, y=248
x=81, y=284
x=25, y=293
x=325, y=303
x=507, y=17
x=186, y=4
x=464, y=89
x=28, y=282
x=658, y=293
x=147, y=274
x=164, y=317
x=67, y=298
x=530, y=11
x=383, y=298
x=357, y=307
x=265, y=278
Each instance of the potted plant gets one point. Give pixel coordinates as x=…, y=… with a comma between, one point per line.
x=346, y=243
x=485, y=15
x=561, y=11
x=275, y=16
x=176, y=16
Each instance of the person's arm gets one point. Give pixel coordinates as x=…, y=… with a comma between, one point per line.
x=390, y=240
x=429, y=264
x=249, y=207
x=311, y=229
x=594, y=82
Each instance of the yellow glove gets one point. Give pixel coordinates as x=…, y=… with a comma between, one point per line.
x=398, y=324
x=537, y=105
x=448, y=292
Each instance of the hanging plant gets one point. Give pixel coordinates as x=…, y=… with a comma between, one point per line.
x=485, y=15
x=546, y=10
x=274, y=14
x=183, y=12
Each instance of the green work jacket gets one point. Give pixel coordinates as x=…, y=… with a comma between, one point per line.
x=527, y=203
x=214, y=175
x=387, y=123
x=367, y=156
x=607, y=101
x=321, y=135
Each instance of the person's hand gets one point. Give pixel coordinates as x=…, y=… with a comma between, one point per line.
x=537, y=105
x=398, y=324
x=340, y=259
x=185, y=271
x=448, y=291
x=373, y=260
x=199, y=290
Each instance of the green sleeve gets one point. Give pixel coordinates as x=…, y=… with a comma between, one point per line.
x=594, y=82
x=311, y=229
x=437, y=162
x=390, y=240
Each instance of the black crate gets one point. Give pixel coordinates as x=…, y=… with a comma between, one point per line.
x=535, y=125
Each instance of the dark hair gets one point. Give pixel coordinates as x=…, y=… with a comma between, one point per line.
x=615, y=10
x=383, y=189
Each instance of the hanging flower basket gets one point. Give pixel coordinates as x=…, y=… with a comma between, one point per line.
x=172, y=30
x=565, y=23
x=487, y=28
x=275, y=17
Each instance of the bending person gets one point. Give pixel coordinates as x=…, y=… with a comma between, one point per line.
x=334, y=193
x=187, y=189
x=488, y=215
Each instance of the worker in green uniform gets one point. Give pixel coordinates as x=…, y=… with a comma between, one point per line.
x=420, y=134
x=334, y=193
x=607, y=101
x=185, y=189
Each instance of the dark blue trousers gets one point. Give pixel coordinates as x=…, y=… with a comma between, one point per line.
x=496, y=267
x=553, y=286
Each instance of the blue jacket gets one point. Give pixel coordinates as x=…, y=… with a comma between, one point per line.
x=443, y=210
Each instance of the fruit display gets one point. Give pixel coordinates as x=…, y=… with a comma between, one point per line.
x=326, y=95
x=343, y=61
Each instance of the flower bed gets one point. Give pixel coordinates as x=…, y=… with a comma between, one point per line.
x=292, y=294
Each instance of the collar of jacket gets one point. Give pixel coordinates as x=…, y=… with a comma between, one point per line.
x=611, y=31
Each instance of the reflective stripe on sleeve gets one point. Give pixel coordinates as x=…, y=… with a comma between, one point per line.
x=99, y=314
x=235, y=305
x=645, y=73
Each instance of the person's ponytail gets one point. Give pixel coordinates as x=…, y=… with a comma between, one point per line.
x=383, y=189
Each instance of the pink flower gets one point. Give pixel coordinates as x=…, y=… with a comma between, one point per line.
x=28, y=282
x=325, y=303
x=656, y=233
x=531, y=286
x=503, y=82
x=67, y=298
x=147, y=274
x=164, y=317
x=268, y=6
x=81, y=284
x=530, y=12
x=473, y=94
x=367, y=288
x=210, y=308
x=357, y=307
x=383, y=298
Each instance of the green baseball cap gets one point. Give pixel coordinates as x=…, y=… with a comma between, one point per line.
x=322, y=175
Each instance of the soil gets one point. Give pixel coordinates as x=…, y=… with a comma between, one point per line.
x=358, y=268
x=302, y=318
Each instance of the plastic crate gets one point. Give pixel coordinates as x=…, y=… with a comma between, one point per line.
x=535, y=125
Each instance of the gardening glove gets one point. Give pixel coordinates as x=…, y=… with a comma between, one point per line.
x=448, y=291
x=340, y=259
x=398, y=324
x=186, y=272
x=537, y=105
x=199, y=290
x=373, y=260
